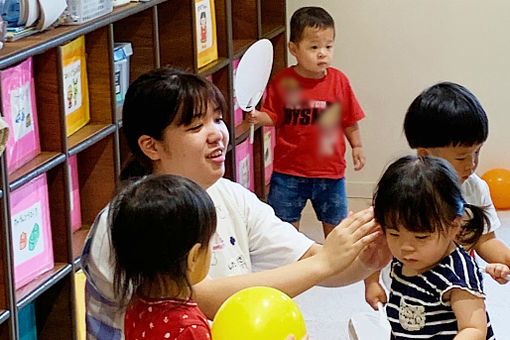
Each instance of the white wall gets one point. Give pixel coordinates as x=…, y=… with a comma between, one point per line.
x=393, y=49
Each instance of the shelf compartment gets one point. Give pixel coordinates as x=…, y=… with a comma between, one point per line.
x=42, y=283
x=240, y=46
x=145, y=42
x=176, y=44
x=79, y=237
x=244, y=24
x=272, y=15
x=280, y=53
x=42, y=163
x=274, y=32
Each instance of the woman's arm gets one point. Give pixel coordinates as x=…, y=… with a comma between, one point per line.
x=340, y=249
x=470, y=313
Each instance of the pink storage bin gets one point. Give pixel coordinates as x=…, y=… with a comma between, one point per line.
x=20, y=112
x=75, y=193
x=238, y=113
x=31, y=231
x=244, y=165
x=269, y=143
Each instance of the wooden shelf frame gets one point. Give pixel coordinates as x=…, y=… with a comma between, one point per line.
x=161, y=33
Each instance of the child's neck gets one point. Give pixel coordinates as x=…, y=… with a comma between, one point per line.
x=163, y=287
x=413, y=272
x=300, y=70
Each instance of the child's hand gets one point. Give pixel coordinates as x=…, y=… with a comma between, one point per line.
x=499, y=272
x=358, y=158
x=258, y=117
x=375, y=293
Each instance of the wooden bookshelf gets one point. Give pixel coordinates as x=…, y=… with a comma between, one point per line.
x=161, y=33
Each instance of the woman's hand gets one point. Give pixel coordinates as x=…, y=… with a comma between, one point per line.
x=376, y=254
x=348, y=240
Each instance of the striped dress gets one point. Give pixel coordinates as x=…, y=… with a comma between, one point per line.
x=417, y=309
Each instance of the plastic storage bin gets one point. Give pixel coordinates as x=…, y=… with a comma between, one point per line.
x=121, y=54
x=80, y=11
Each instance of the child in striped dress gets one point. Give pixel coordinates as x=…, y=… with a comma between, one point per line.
x=436, y=290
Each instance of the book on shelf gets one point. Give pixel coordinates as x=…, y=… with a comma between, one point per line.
x=269, y=143
x=238, y=112
x=31, y=230
x=205, y=32
x=20, y=113
x=244, y=165
x=75, y=193
x=74, y=85
x=26, y=322
x=79, y=295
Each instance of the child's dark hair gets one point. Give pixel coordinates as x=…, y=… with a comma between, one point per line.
x=314, y=17
x=446, y=114
x=422, y=194
x=157, y=99
x=154, y=224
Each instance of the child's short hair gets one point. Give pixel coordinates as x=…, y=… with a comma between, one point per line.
x=423, y=194
x=315, y=17
x=154, y=224
x=446, y=114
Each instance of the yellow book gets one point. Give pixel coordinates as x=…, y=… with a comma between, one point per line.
x=74, y=85
x=205, y=29
x=79, y=286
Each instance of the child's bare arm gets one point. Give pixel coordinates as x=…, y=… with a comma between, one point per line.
x=493, y=250
x=374, y=292
x=259, y=117
x=354, y=137
x=470, y=314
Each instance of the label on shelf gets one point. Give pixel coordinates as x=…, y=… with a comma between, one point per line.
x=20, y=112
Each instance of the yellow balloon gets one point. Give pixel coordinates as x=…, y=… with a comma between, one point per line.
x=498, y=181
x=258, y=313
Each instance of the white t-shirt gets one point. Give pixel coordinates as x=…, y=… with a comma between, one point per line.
x=476, y=192
x=249, y=236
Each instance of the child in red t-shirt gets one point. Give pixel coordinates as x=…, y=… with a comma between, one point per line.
x=313, y=109
x=160, y=229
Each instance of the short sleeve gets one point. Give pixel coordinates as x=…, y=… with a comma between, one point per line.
x=486, y=201
x=458, y=271
x=193, y=332
x=273, y=105
x=351, y=109
x=272, y=242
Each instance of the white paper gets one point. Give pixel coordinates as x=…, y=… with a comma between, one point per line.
x=33, y=12
x=51, y=10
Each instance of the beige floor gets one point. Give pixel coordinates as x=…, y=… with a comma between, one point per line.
x=327, y=310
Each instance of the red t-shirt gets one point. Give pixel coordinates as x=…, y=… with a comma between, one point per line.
x=296, y=104
x=165, y=319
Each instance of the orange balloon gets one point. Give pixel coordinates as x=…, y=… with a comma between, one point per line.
x=499, y=186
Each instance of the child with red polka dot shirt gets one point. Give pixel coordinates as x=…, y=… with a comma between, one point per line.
x=160, y=229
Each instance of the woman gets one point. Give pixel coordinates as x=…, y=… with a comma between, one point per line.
x=173, y=122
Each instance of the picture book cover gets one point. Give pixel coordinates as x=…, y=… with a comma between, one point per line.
x=205, y=32
x=31, y=230
x=244, y=165
x=20, y=112
x=75, y=85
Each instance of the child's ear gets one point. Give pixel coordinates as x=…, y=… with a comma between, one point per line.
x=292, y=48
x=193, y=257
x=149, y=147
x=423, y=152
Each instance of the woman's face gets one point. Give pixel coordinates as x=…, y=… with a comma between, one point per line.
x=196, y=151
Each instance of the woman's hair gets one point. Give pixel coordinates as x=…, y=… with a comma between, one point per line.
x=157, y=99
x=422, y=194
x=154, y=224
